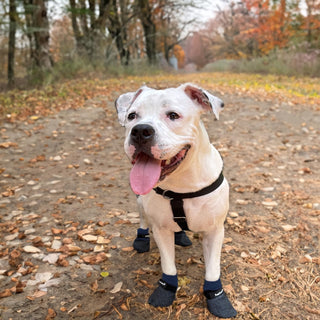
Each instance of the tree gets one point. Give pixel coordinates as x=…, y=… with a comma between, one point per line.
x=118, y=28
x=12, y=41
x=37, y=24
x=250, y=28
x=89, y=23
x=149, y=28
x=311, y=24
x=270, y=24
x=172, y=22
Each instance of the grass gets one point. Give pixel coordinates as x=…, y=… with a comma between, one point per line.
x=72, y=93
x=283, y=63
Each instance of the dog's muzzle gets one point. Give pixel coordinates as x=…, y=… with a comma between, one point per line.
x=142, y=134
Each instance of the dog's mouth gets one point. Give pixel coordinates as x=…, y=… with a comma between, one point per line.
x=168, y=166
x=148, y=171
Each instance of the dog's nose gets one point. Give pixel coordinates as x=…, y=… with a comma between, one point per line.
x=142, y=133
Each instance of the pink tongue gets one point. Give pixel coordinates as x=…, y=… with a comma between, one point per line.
x=145, y=174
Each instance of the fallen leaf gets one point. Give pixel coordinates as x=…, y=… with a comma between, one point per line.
x=233, y=214
x=20, y=286
x=73, y=248
x=95, y=259
x=5, y=293
x=56, y=231
x=269, y=203
x=242, y=202
x=124, y=307
x=305, y=259
x=245, y=288
x=52, y=258
x=50, y=283
x=127, y=249
x=102, y=240
x=145, y=283
x=278, y=252
x=104, y=274
x=94, y=286
x=262, y=229
x=117, y=287
x=81, y=233
x=98, y=248
x=31, y=249
x=38, y=159
x=62, y=261
x=51, y=314
x=288, y=227
x=37, y=294
x=123, y=221
x=6, y=145
x=89, y=238
x=184, y=281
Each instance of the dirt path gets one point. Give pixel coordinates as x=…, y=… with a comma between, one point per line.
x=68, y=218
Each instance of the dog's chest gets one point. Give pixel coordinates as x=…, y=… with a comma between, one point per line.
x=202, y=213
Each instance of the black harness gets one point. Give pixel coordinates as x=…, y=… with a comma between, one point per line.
x=176, y=200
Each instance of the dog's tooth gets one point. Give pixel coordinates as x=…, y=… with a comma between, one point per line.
x=168, y=161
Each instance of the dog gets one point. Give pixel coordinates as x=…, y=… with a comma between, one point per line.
x=177, y=175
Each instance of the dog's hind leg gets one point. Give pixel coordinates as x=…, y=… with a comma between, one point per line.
x=181, y=239
x=142, y=241
x=217, y=300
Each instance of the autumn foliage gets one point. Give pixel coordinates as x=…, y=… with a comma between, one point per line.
x=251, y=28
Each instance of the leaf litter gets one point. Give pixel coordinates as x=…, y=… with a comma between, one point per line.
x=68, y=217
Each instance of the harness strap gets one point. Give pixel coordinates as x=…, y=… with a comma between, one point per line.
x=176, y=200
x=179, y=215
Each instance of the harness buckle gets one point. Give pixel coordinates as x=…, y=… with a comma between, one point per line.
x=164, y=195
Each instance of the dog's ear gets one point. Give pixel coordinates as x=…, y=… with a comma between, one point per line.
x=205, y=99
x=124, y=102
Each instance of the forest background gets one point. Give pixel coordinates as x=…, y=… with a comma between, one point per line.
x=43, y=41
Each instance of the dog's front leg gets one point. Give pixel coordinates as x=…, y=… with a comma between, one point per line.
x=212, y=244
x=217, y=301
x=165, y=293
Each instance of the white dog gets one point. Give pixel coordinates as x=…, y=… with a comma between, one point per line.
x=178, y=174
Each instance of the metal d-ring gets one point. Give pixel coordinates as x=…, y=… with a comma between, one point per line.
x=164, y=195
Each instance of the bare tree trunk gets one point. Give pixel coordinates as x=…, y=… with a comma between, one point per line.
x=309, y=21
x=118, y=32
x=149, y=29
x=38, y=33
x=28, y=10
x=76, y=30
x=12, y=42
x=88, y=26
x=41, y=35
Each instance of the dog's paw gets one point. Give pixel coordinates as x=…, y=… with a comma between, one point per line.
x=163, y=296
x=181, y=239
x=141, y=244
x=219, y=304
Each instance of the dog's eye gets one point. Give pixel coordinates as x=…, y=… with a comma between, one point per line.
x=132, y=116
x=173, y=116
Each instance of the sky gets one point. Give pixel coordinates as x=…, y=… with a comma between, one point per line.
x=57, y=8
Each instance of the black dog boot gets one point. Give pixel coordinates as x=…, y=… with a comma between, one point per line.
x=181, y=239
x=142, y=241
x=219, y=304
x=164, y=295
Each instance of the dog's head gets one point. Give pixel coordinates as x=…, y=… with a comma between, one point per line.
x=161, y=128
